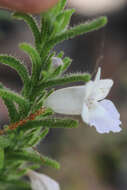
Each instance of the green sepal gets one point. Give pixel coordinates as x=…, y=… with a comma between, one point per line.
x=60, y=54
x=67, y=62
x=33, y=26
x=56, y=72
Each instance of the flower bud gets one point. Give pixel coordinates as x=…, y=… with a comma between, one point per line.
x=56, y=62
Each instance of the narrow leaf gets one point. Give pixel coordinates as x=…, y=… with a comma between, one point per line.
x=36, y=140
x=32, y=24
x=60, y=54
x=62, y=20
x=32, y=157
x=35, y=58
x=4, y=142
x=13, y=113
x=14, y=97
x=62, y=4
x=1, y=158
x=45, y=29
x=64, y=80
x=59, y=7
x=67, y=62
x=15, y=184
x=78, y=30
x=15, y=64
x=50, y=123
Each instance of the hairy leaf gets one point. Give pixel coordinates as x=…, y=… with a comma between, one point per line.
x=32, y=24
x=64, y=80
x=20, y=68
x=35, y=58
x=78, y=30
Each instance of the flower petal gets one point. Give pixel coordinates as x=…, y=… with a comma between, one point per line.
x=110, y=107
x=67, y=100
x=42, y=182
x=103, y=120
x=85, y=114
x=98, y=75
x=89, y=89
x=101, y=89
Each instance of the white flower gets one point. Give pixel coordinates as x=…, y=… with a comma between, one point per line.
x=41, y=181
x=88, y=101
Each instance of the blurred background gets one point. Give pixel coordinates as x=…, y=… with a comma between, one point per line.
x=88, y=160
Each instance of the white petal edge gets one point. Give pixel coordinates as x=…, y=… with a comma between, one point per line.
x=101, y=89
x=42, y=182
x=102, y=120
x=67, y=100
x=98, y=75
x=85, y=114
x=89, y=89
x=110, y=107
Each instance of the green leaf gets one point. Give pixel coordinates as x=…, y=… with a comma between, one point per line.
x=51, y=162
x=15, y=185
x=43, y=134
x=33, y=26
x=66, y=16
x=13, y=113
x=62, y=21
x=64, y=80
x=59, y=7
x=35, y=58
x=60, y=54
x=62, y=4
x=1, y=158
x=48, y=62
x=78, y=30
x=67, y=62
x=15, y=64
x=4, y=142
x=32, y=138
x=32, y=157
x=39, y=137
x=50, y=123
x=6, y=94
x=46, y=29
x=56, y=72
